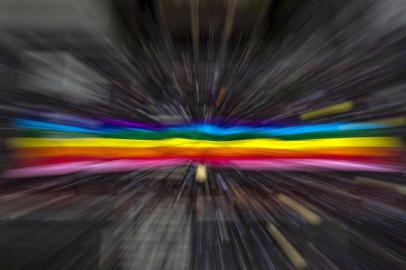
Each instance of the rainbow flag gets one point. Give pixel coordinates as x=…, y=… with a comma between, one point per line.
x=69, y=146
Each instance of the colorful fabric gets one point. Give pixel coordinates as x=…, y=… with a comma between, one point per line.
x=50, y=148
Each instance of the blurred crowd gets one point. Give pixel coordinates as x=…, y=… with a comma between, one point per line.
x=225, y=62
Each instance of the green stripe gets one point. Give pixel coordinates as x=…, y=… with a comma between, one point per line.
x=140, y=135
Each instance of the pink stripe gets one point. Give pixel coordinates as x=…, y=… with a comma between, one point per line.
x=123, y=165
x=298, y=164
x=128, y=165
x=47, y=170
x=92, y=167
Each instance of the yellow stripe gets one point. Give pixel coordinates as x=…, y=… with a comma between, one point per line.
x=201, y=173
x=188, y=143
x=373, y=182
x=395, y=121
x=333, y=109
x=305, y=213
x=290, y=251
